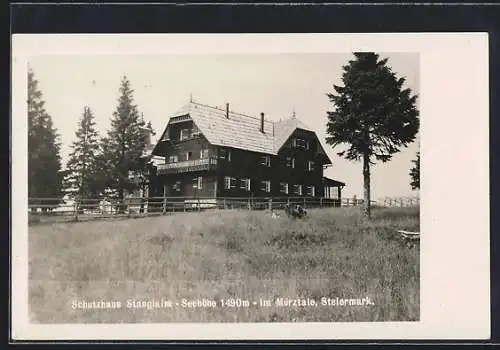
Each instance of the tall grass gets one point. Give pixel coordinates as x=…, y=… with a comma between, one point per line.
x=223, y=254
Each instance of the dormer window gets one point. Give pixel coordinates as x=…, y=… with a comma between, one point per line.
x=300, y=143
x=185, y=134
x=290, y=162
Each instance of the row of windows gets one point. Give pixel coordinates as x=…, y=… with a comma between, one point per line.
x=265, y=160
x=245, y=183
x=265, y=186
x=204, y=153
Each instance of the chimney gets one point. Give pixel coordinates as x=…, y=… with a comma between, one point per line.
x=262, y=122
x=227, y=110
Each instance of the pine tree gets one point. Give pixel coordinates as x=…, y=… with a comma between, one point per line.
x=124, y=144
x=44, y=160
x=373, y=115
x=415, y=173
x=83, y=171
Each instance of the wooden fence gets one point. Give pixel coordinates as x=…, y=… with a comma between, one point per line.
x=56, y=209
x=399, y=201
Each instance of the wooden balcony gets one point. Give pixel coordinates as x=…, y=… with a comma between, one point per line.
x=187, y=166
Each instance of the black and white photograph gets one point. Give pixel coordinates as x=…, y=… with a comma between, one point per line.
x=225, y=188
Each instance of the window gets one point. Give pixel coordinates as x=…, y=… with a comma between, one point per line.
x=301, y=143
x=173, y=159
x=176, y=186
x=189, y=155
x=290, y=162
x=284, y=187
x=196, y=131
x=310, y=165
x=198, y=182
x=265, y=161
x=225, y=154
x=245, y=184
x=229, y=182
x=265, y=186
x=185, y=134
x=297, y=189
x=204, y=154
x=310, y=191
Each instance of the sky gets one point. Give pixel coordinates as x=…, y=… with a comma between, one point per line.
x=276, y=84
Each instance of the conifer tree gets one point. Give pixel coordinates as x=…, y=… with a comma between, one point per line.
x=83, y=171
x=44, y=160
x=415, y=173
x=124, y=144
x=373, y=114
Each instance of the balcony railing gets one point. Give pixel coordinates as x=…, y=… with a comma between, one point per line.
x=187, y=166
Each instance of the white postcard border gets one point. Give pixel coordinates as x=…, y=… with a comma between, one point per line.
x=455, y=260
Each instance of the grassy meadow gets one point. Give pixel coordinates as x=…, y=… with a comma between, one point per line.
x=222, y=255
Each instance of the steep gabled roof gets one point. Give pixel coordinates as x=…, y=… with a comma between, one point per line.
x=238, y=131
x=285, y=128
x=241, y=131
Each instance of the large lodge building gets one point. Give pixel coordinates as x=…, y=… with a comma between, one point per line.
x=214, y=152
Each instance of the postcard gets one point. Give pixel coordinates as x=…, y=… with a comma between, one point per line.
x=250, y=186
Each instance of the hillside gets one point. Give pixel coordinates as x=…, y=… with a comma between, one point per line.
x=219, y=255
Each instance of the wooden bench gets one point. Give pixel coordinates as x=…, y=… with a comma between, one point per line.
x=409, y=238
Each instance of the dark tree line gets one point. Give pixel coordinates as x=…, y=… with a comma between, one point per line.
x=97, y=166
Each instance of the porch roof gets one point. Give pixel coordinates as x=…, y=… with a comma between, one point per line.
x=332, y=183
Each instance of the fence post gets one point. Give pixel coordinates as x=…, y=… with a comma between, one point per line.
x=164, y=205
x=304, y=202
x=76, y=209
x=321, y=202
x=270, y=203
x=199, y=206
